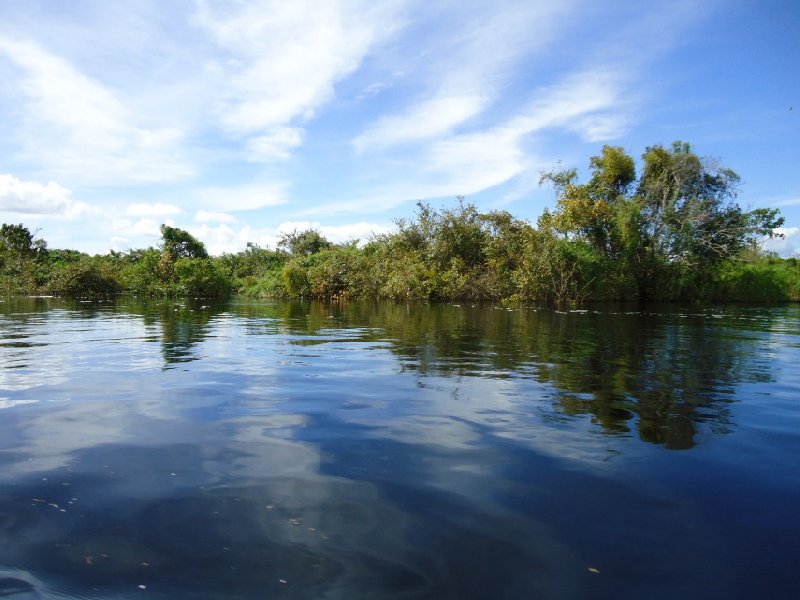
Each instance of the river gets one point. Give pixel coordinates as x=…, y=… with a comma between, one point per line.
x=266, y=449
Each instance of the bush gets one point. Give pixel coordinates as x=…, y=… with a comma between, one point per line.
x=295, y=280
x=200, y=278
x=84, y=279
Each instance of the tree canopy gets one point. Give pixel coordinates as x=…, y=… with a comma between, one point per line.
x=178, y=243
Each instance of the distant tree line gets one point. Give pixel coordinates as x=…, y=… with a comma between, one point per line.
x=674, y=232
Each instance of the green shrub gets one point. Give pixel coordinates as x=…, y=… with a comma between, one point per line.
x=295, y=280
x=84, y=279
x=200, y=278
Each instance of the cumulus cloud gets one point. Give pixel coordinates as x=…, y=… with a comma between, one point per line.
x=788, y=245
x=41, y=199
x=120, y=243
x=144, y=227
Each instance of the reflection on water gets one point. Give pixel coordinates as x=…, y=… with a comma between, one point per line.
x=252, y=449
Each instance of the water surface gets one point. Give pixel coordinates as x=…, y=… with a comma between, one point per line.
x=290, y=450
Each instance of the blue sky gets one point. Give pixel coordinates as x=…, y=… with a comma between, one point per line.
x=242, y=120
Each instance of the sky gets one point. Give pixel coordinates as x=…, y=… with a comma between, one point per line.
x=240, y=121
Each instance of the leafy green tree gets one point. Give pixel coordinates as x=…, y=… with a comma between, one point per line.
x=18, y=240
x=178, y=243
x=689, y=207
x=305, y=243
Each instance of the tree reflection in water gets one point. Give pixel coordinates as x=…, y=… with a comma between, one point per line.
x=665, y=372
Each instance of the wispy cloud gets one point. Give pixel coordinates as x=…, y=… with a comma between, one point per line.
x=284, y=59
x=275, y=144
x=77, y=128
x=427, y=119
x=468, y=70
x=591, y=104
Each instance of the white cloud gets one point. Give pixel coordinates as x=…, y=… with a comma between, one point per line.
x=428, y=119
x=575, y=101
x=219, y=239
x=275, y=144
x=788, y=245
x=79, y=129
x=469, y=69
x=588, y=103
x=788, y=231
x=152, y=210
x=478, y=161
x=120, y=243
x=145, y=227
x=204, y=216
x=285, y=59
x=242, y=197
x=372, y=90
x=42, y=199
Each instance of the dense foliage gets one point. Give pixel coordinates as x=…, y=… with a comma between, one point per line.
x=674, y=232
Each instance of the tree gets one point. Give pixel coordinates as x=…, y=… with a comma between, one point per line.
x=761, y=225
x=659, y=235
x=305, y=243
x=178, y=243
x=590, y=211
x=689, y=209
x=18, y=240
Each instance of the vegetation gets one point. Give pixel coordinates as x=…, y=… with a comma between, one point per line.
x=674, y=232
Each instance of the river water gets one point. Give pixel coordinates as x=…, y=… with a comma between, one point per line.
x=288, y=450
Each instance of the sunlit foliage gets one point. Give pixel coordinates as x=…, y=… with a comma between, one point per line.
x=674, y=231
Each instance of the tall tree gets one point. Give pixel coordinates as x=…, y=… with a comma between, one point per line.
x=178, y=243
x=688, y=205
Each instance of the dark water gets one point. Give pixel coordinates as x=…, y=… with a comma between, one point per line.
x=278, y=450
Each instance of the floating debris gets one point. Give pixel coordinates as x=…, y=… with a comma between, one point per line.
x=594, y=570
